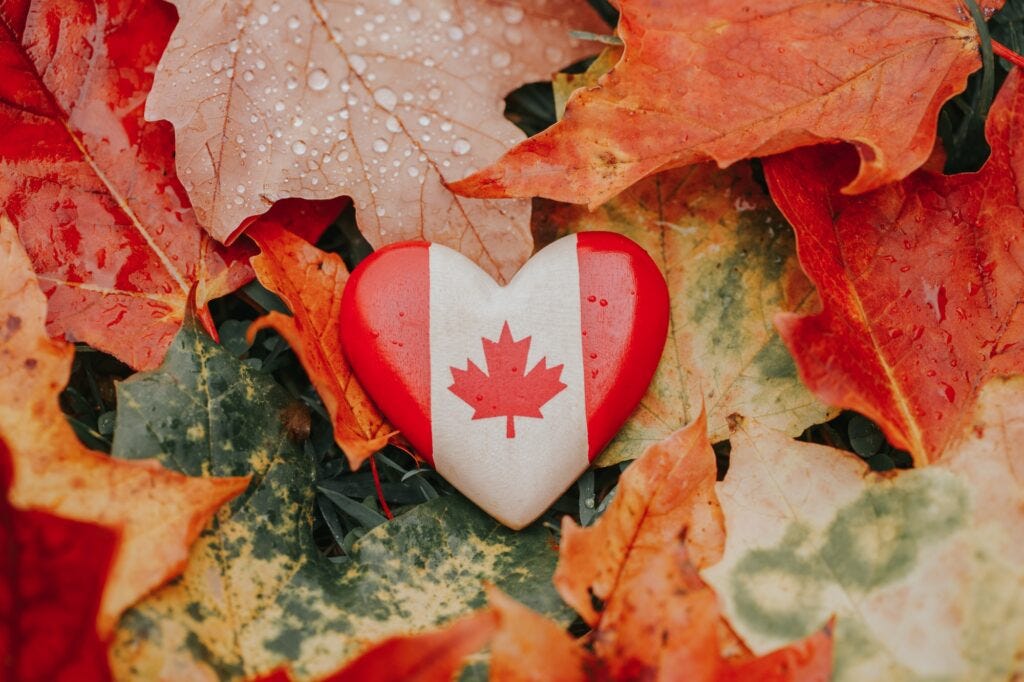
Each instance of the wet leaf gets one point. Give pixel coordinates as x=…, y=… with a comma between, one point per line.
x=311, y=282
x=921, y=283
x=256, y=595
x=158, y=512
x=321, y=99
x=90, y=185
x=720, y=81
x=923, y=568
x=730, y=264
x=53, y=574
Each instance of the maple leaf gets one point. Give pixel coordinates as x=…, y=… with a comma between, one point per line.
x=731, y=80
x=90, y=184
x=507, y=390
x=921, y=283
x=384, y=105
x=928, y=557
x=53, y=574
x=311, y=282
x=158, y=512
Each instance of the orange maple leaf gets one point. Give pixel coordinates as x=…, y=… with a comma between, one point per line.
x=506, y=391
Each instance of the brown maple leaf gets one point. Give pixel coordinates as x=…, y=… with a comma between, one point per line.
x=383, y=102
x=506, y=391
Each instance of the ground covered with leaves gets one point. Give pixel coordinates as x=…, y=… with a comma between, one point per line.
x=823, y=480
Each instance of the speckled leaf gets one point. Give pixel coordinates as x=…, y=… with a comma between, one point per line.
x=731, y=265
x=256, y=594
x=924, y=568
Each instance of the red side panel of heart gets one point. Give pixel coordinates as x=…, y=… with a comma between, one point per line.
x=624, y=311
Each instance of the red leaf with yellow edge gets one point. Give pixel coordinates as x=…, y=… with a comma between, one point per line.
x=726, y=81
x=669, y=489
x=921, y=283
x=90, y=184
x=158, y=512
x=311, y=283
x=52, y=574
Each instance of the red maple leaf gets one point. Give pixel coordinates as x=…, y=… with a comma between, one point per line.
x=506, y=391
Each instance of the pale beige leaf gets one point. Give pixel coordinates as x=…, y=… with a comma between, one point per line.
x=923, y=568
x=381, y=101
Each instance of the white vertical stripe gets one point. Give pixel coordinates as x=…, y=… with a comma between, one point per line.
x=513, y=479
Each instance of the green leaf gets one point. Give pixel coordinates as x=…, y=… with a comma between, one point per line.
x=256, y=593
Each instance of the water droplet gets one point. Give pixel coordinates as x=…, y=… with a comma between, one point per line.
x=248, y=76
x=380, y=211
x=513, y=14
x=413, y=171
x=380, y=145
x=216, y=64
x=500, y=60
x=386, y=98
x=262, y=19
x=357, y=63
x=434, y=94
x=455, y=33
x=299, y=147
x=291, y=83
x=317, y=79
x=293, y=22
x=240, y=189
x=423, y=120
x=279, y=106
x=393, y=125
x=461, y=146
x=553, y=53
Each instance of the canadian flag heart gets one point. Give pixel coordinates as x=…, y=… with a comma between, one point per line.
x=508, y=391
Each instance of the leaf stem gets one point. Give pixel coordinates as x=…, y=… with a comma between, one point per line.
x=1007, y=54
x=380, y=490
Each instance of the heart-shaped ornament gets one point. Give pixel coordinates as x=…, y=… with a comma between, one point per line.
x=508, y=391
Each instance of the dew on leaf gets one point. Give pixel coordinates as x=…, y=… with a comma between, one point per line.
x=317, y=79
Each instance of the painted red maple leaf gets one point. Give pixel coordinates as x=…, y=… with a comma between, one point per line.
x=507, y=390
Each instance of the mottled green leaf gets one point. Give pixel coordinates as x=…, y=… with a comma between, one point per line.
x=256, y=593
x=730, y=262
x=923, y=568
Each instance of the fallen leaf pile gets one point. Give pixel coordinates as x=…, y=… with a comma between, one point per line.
x=185, y=187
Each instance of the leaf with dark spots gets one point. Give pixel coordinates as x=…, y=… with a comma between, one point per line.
x=921, y=283
x=256, y=595
x=90, y=184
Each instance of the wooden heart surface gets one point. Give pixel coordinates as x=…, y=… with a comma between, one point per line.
x=508, y=391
